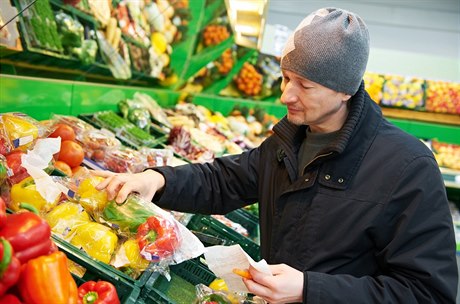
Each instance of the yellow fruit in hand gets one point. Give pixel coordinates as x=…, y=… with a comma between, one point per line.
x=92, y=200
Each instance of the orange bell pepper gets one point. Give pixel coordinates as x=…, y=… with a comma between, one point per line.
x=47, y=279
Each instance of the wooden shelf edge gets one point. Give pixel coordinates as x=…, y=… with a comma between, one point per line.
x=442, y=118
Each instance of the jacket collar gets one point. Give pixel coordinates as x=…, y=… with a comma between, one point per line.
x=348, y=149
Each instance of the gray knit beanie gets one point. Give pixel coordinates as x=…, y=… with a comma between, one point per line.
x=330, y=47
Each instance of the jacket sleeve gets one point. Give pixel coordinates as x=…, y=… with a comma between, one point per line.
x=226, y=184
x=415, y=248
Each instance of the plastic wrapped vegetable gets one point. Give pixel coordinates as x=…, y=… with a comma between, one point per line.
x=66, y=217
x=129, y=260
x=128, y=216
x=119, y=68
x=70, y=30
x=94, y=201
x=3, y=169
x=206, y=295
x=136, y=113
x=26, y=192
x=161, y=238
x=158, y=238
x=20, y=130
x=87, y=52
x=97, y=240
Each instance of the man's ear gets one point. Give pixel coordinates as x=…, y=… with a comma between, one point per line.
x=283, y=84
x=345, y=97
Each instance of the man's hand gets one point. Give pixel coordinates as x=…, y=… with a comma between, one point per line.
x=119, y=185
x=285, y=286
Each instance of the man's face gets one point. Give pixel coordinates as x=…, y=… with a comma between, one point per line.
x=309, y=103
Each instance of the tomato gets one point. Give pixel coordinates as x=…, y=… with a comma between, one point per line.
x=98, y=155
x=63, y=167
x=13, y=160
x=64, y=131
x=71, y=153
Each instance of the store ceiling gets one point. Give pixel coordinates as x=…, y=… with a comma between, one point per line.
x=422, y=26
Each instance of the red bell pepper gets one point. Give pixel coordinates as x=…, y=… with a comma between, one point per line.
x=10, y=268
x=10, y=299
x=157, y=238
x=28, y=234
x=100, y=292
x=2, y=212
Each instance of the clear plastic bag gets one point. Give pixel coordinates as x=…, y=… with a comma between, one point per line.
x=161, y=238
x=206, y=295
x=20, y=130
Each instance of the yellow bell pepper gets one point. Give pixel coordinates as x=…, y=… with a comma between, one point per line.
x=20, y=131
x=218, y=284
x=66, y=217
x=94, y=201
x=132, y=251
x=97, y=240
x=26, y=192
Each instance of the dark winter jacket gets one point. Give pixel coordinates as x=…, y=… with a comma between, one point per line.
x=368, y=222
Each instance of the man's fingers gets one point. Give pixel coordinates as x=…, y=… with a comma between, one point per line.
x=113, y=186
x=257, y=289
x=125, y=190
x=260, y=277
x=102, y=173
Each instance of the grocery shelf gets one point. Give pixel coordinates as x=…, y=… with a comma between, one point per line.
x=445, y=118
x=451, y=177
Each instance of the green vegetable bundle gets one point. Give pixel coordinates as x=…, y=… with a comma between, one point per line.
x=128, y=216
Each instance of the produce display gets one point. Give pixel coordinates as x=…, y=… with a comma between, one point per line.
x=447, y=155
x=403, y=92
x=374, y=85
x=443, y=97
x=214, y=34
x=39, y=26
x=259, y=78
x=124, y=36
x=249, y=81
x=130, y=237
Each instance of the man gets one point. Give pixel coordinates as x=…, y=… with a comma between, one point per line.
x=352, y=209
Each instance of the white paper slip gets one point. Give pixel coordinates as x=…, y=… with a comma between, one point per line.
x=223, y=259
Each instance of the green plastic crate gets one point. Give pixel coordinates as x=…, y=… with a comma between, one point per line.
x=248, y=221
x=209, y=225
x=181, y=288
x=127, y=291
